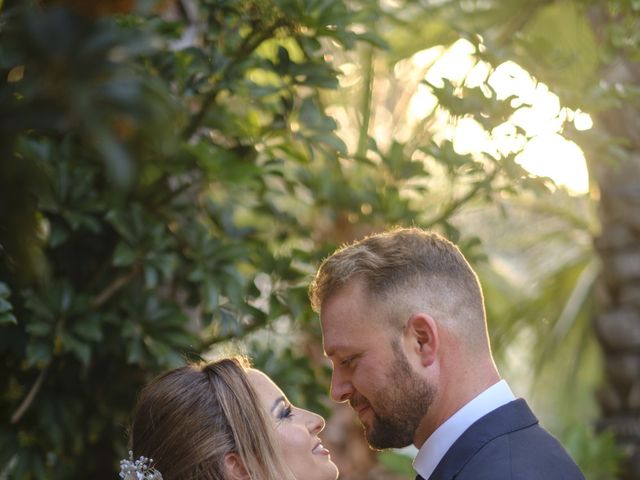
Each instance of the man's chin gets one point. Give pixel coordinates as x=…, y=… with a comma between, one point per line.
x=377, y=444
x=380, y=437
x=373, y=442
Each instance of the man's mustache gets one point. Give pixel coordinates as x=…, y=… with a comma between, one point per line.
x=358, y=401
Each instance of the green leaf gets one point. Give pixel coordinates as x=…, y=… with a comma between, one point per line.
x=39, y=328
x=37, y=305
x=150, y=277
x=38, y=353
x=560, y=41
x=313, y=118
x=211, y=296
x=423, y=31
x=123, y=255
x=8, y=318
x=88, y=328
x=135, y=351
x=229, y=323
x=159, y=350
x=80, y=349
x=5, y=306
x=331, y=140
x=373, y=39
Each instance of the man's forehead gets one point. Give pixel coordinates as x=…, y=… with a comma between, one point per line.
x=344, y=309
x=350, y=291
x=347, y=334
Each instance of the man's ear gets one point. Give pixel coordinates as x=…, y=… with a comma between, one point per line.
x=422, y=331
x=234, y=468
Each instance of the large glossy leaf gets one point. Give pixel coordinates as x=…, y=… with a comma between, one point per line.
x=560, y=42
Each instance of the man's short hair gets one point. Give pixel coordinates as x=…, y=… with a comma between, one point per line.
x=407, y=268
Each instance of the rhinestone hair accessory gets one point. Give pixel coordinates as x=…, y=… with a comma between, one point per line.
x=140, y=469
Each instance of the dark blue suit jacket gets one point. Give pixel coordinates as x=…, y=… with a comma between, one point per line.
x=507, y=444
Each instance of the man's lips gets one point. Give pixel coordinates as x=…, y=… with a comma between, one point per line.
x=361, y=409
x=359, y=404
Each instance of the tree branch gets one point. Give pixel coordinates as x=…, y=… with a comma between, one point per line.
x=455, y=204
x=245, y=331
x=249, y=44
x=367, y=93
x=105, y=295
x=28, y=400
x=116, y=285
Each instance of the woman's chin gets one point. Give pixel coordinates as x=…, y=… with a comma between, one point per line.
x=328, y=471
x=332, y=470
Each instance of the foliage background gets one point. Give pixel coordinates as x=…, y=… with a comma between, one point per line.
x=170, y=176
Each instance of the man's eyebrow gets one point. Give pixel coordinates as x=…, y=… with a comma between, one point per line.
x=278, y=401
x=335, y=350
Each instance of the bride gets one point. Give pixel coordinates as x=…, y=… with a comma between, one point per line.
x=223, y=421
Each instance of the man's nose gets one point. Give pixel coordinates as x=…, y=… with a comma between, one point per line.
x=341, y=387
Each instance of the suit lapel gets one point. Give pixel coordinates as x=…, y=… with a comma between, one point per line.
x=508, y=418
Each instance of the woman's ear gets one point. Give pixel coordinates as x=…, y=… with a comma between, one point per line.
x=423, y=334
x=234, y=468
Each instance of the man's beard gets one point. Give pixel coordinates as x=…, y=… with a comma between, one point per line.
x=404, y=402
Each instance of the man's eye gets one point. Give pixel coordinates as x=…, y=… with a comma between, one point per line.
x=347, y=362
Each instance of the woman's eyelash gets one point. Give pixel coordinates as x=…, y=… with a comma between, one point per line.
x=286, y=412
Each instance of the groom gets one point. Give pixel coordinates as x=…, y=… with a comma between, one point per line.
x=403, y=323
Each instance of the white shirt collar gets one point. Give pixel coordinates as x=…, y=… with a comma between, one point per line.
x=437, y=445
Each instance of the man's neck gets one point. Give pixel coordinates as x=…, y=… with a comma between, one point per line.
x=449, y=402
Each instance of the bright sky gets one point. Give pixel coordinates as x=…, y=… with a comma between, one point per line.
x=547, y=153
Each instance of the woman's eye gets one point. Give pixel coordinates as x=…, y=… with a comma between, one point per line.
x=286, y=412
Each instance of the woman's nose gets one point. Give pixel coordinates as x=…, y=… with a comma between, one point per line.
x=315, y=423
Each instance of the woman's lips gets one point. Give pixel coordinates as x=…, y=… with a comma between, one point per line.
x=320, y=449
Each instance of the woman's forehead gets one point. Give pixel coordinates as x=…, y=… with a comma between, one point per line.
x=262, y=384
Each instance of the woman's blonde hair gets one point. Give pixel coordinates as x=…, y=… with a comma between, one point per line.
x=190, y=418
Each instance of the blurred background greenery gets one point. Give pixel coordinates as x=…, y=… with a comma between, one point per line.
x=172, y=172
